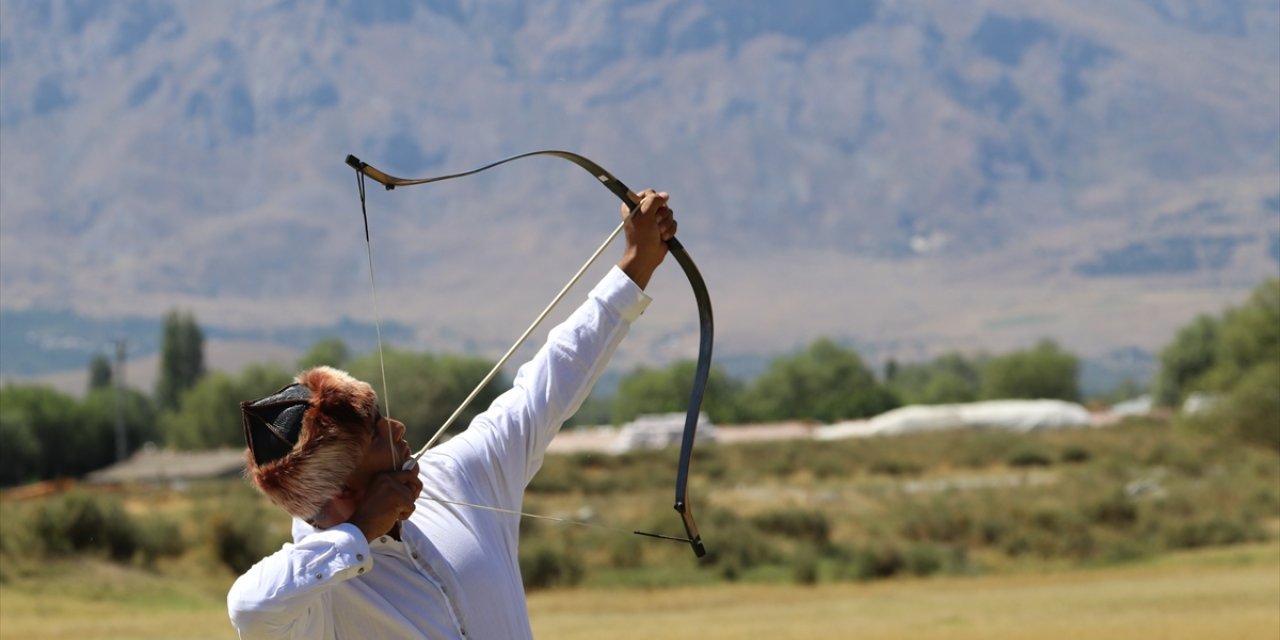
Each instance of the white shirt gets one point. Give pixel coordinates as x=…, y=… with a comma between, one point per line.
x=455, y=572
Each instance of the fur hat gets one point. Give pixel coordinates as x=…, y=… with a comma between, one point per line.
x=306, y=439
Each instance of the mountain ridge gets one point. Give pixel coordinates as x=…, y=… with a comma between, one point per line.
x=927, y=176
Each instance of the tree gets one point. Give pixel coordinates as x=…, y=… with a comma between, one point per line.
x=1249, y=337
x=1250, y=410
x=948, y=378
x=21, y=455
x=1184, y=361
x=425, y=389
x=1237, y=357
x=826, y=382
x=99, y=372
x=47, y=441
x=209, y=412
x=181, y=358
x=332, y=352
x=141, y=422
x=667, y=391
x=1044, y=371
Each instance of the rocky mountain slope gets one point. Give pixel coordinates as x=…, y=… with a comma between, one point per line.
x=905, y=176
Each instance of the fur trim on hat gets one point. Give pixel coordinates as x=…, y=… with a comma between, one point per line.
x=335, y=431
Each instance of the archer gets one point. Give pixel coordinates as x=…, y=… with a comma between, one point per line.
x=372, y=556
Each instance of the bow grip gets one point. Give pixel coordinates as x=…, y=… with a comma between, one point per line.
x=634, y=201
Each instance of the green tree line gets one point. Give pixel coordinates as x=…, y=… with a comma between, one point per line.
x=1235, y=356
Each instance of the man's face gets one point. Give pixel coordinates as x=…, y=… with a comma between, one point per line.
x=386, y=450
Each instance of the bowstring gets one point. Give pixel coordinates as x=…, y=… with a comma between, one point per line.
x=377, y=321
x=527, y=332
x=377, y=324
x=563, y=521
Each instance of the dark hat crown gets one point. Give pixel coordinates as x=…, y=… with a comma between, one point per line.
x=272, y=425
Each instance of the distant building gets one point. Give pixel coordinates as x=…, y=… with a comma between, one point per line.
x=658, y=431
x=153, y=465
x=1139, y=406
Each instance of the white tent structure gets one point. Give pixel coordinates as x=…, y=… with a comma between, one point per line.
x=1009, y=415
x=657, y=431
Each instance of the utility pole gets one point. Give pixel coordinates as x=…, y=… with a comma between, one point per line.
x=117, y=377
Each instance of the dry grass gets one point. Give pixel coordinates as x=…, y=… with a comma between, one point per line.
x=1220, y=593
x=1232, y=593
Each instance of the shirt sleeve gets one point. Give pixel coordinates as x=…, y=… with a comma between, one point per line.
x=286, y=595
x=504, y=446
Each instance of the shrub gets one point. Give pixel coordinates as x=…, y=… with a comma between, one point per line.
x=626, y=552
x=236, y=532
x=740, y=545
x=895, y=468
x=924, y=559
x=1074, y=454
x=938, y=520
x=804, y=566
x=876, y=561
x=984, y=448
x=544, y=565
x=80, y=522
x=1029, y=458
x=1115, y=510
x=160, y=538
x=798, y=524
x=1213, y=530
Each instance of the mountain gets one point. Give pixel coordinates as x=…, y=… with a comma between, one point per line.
x=904, y=176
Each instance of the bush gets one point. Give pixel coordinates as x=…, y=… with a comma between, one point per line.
x=895, y=468
x=938, y=520
x=626, y=552
x=1213, y=530
x=804, y=566
x=80, y=522
x=1115, y=510
x=740, y=545
x=160, y=538
x=1074, y=454
x=985, y=448
x=1029, y=458
x=543, y=565
x=236, y=531
x=798, y=524
x=874, y=562
x=924, y=559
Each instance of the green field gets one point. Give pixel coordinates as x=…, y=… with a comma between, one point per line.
x=1219, y=593
x=1142, y=530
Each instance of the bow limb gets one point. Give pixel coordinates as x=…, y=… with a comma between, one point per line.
x=706, y=323
x=706, y=335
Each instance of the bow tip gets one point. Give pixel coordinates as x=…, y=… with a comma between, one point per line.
x=698, y=549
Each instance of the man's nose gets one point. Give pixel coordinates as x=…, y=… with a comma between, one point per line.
x=397, y=429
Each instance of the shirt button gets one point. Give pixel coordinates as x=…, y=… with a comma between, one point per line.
x=360, y=557
x=383, y=539
x=415, y=555
x=361, y=570
x=319, y=576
